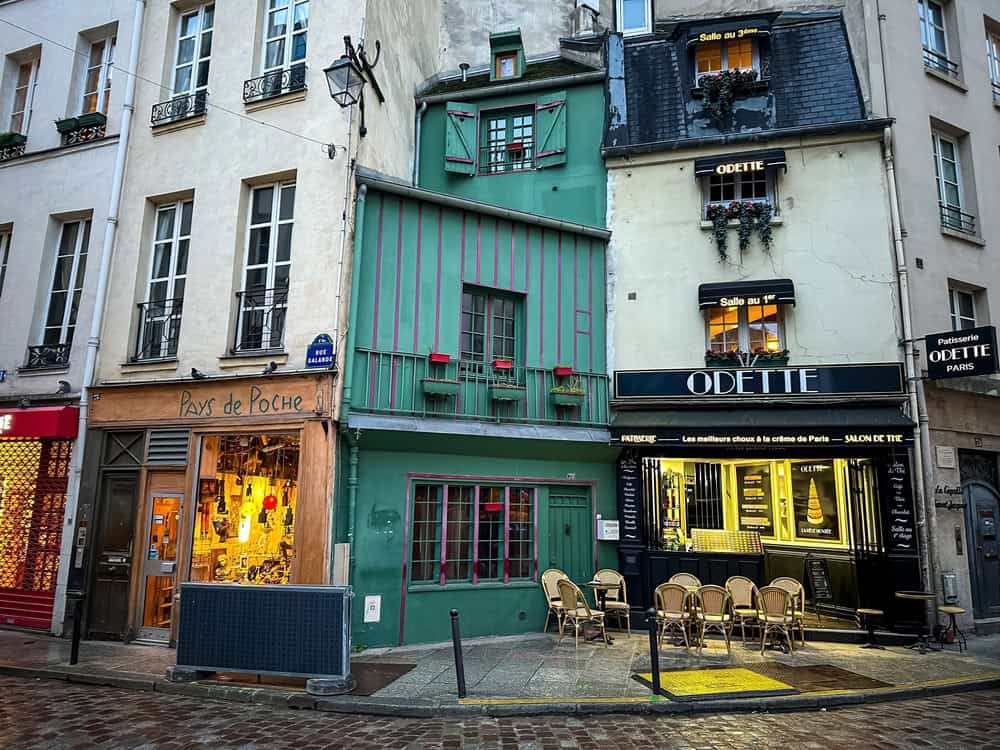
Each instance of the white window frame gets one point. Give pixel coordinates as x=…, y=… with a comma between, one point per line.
x=4, y=257
x=937, y=139
x=993, y=57
x=29, y=97
x=65, y=334
x=173, y=243
x=927, y=39
x=104, y=77
x=648, y=15
x=743, y=328
x=724, y=46
x=769, y=178
x=289, y=6
x=956, y=311
x=274, y=224
x=196, y=59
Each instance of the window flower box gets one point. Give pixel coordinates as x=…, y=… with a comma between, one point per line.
x=503, y=364
x=92, y=120
x=762, y=358
x=437, y=358
x=567, y=396
x=507, y=392
x=67, y=125
x=12, y=139
x=439, y=388
x=562, y=371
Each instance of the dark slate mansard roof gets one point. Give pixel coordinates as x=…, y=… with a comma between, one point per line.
x=812, y=83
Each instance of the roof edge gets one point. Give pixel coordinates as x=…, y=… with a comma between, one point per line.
x=374, y=179
x=515, y=87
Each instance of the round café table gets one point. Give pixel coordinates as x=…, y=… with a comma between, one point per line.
x=923, y=643
x=601, y=590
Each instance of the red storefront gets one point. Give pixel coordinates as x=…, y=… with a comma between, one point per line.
x=36, y=445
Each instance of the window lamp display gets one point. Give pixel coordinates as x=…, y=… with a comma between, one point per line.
x=245, y=526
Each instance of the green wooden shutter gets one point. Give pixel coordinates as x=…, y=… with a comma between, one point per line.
x=460, y=138
x=550, y=125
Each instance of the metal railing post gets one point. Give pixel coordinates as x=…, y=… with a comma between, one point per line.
x=654, y=651
x=74, y=649
x=456, y=639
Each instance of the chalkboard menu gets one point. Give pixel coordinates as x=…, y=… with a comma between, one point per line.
x=818, y=575
x=753, y=484
x=630, y=499
x=814, y=501
x=898, y=497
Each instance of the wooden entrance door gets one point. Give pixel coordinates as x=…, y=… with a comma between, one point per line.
x=571, y=533
x=109, y=594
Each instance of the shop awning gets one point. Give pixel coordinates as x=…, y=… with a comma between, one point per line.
x=874, y=426
x=743, y=293
x=729, y=28
x=743, y=161
x=40, y=422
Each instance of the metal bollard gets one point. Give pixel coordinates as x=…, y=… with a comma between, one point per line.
x=456, y=639
x=74, y=649
x=654, y=650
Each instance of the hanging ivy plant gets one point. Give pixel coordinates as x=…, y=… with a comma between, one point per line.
x=719, y=92
x=764, y=213
x=751, y=217
x=719, y=216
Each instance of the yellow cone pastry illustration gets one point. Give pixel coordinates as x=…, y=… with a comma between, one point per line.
x=815, y=513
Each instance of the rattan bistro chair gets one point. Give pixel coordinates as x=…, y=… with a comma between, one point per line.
x=685, y=579
x=672, y=612
x=775, y=616
x=744, y=593
x=715, y=612
x=550, y=587
x=797, y=592
x=576, y=610
x=616, y=600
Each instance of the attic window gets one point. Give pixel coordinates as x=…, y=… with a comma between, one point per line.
x=506, y=65
x=712, y=58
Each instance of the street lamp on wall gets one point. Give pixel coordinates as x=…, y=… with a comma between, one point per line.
x=347, y=77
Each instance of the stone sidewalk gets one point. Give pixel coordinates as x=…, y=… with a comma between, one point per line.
x=524, y=674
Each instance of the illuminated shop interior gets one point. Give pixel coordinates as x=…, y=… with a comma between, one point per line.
x=245, y=523
x=827, y=503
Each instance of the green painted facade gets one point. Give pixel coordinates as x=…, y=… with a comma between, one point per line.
x=486, y=608
x=573, y=191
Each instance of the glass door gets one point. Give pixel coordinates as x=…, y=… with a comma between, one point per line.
x=159, y=568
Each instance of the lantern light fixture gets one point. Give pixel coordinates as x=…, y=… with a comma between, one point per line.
x=346, y=78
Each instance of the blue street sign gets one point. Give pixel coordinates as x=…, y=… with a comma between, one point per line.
x=320, y=352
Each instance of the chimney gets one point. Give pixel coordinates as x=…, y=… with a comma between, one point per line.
x=465, y=71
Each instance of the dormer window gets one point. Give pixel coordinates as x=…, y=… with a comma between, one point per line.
x=738, y=44
x=507, y=54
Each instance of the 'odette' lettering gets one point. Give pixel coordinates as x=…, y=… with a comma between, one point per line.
x=753, y=382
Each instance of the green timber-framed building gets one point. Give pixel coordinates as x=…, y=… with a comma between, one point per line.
x=475, y=418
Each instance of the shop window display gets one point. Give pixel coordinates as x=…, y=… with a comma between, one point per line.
x=245, y=526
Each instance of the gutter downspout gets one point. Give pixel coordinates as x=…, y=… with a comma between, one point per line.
x=926, y=519
x=416, y=148
x=96, y=323
x=345, y=401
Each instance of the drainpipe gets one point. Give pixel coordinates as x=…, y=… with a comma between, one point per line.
x=345, y=401
x=416, y=151
x=94, y=342
x=926, y=519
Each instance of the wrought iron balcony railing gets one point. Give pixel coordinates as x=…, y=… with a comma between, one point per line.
x=395, y=383
x=179, y=108
x=996, y=91
x=159, y=329
x=48, y=356
x=275, y=83
x=507, y=157
x=938, y=62
x=953, y=217
x=260, y=320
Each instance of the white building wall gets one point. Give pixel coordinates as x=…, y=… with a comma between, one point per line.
x=51, y=183
x=833, y=241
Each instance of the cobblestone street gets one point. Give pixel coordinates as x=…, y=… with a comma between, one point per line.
x=49, y=714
